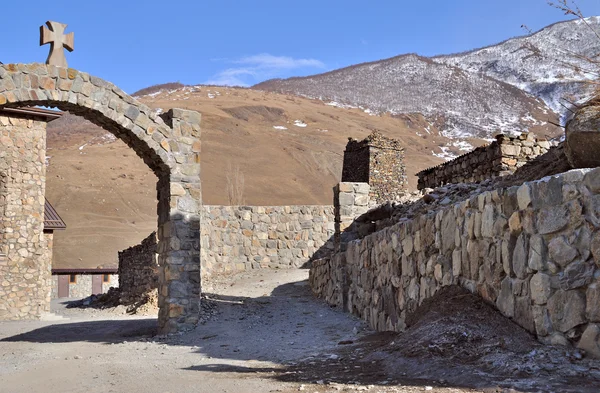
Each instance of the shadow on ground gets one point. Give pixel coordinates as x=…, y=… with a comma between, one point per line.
x=287, y=335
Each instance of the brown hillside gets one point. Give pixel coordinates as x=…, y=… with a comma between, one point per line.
x=106, y=194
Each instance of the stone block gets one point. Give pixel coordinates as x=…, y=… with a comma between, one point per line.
x=346, y=187
x=524, y=196
x=560, y=251
x=537, y=253
x=361, y=200
x=514, y=223
x=577, y=274
x=567, y=309
x=510, y=150
x=540, y=286
x=524, y=314
x=590, y=341
x=543, y=323
x=592, y=310
x=346, y=199
x=552, y=219
x=519, y=257
x=448, y=228
x=506, y=299
x=362, y=188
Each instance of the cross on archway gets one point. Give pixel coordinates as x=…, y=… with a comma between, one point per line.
x=56, y=37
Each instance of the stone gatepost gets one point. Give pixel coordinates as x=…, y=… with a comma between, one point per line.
x=179, y=226
x=25, y=279
x=350, y=201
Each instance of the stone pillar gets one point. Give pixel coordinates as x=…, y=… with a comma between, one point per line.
x=180, y=201
x=25, y=279
x=350, y=201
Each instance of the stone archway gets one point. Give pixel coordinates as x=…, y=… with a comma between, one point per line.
x=169, y=144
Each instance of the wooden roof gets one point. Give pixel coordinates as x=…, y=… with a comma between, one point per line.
x=99, y=270
x=46, y=114
x=52, y=220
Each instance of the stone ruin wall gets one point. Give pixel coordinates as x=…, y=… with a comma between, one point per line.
x=138, y=272
x=500, y=158
x=25, y=279
x=378, y=161
x=532, y=251
x=238, y=238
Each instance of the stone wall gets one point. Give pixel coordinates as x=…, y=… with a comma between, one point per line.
x=138, y=271
x=533, y=251
x=500, y=158
x=237, y=238
x=25, y=278
x=378, y=161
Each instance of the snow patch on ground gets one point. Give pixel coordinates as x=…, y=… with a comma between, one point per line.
x=445, y=153
x=300, y=123
x=280, y=127
x=463, y=145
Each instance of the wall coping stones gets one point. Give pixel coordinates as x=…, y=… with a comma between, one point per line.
x=501, y=157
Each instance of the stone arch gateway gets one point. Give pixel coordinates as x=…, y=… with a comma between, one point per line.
x=169, y=144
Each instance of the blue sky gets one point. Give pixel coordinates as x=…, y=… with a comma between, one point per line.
x=135, y=44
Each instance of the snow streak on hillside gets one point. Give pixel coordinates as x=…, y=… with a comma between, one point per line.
x=464, y=104
x=548, y=64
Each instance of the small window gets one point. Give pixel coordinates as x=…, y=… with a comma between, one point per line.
x=72, y=278
x=106, y=278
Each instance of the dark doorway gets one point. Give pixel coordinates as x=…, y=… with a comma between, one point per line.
x=63, y=285
x=96, y=284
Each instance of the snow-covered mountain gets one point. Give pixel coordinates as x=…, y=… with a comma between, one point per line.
x=463, y=104
x=517, y=85
x=550, y=63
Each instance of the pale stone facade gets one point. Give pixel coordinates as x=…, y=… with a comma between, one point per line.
x=25, y=262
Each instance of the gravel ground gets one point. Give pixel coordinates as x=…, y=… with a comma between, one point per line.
x=262, y=332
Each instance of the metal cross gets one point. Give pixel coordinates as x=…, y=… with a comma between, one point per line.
x=56, y=37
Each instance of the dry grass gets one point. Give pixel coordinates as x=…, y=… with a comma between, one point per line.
x=234, y=178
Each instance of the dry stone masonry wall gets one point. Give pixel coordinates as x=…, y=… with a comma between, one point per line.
x=500, y=158
x=25, y=280
x=378, y=161
x=533, y=251
x=237, y=238
x=138, y=272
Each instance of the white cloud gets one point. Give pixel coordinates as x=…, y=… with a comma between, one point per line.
x=267, y=61
x=256, y=68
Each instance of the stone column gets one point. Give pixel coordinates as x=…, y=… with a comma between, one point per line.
x=24, y=274
x=350, y=201
x=180, y=201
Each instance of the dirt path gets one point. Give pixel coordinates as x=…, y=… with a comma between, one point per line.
x=264, y=333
